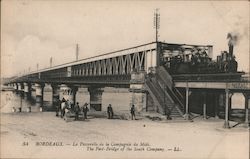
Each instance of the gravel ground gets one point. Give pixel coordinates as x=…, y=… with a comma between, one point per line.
x=35, y=135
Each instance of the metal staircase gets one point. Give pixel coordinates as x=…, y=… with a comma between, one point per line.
x=167, y=100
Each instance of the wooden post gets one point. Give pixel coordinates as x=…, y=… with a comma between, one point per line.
x=246, y=123
x=216, y=113
x=230, y=104
x=186, y=116
x=204, y=106
x=226, y=124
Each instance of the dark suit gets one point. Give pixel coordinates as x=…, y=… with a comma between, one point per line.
x=110, y=112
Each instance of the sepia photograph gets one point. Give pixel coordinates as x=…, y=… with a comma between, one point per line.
x=125, y=79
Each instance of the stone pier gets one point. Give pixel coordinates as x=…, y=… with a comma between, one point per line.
x=138, y=93
x=95, y=98
x=39, y=93
x=27, y=90
x=15, y=86
x=20, y=89
x=55, y=94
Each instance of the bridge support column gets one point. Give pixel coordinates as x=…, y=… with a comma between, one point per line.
x=20, y=89
x=55, y=94
x=230, y=105
x=39, y=94
x=227, y=107
x=95, y=98
x=138, y=92
x=204, y=105
x=186, y=115
x=15, y=86
x=216, y=108
x=138, y=98
x=69, y=93
x=27, y=90
x=247, y=102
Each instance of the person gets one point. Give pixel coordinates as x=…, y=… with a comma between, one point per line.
x=66, y=113
x=60, y=106
x=13, y=109
x=68, y=104
x=63, y=106
x=110, y=112
x=85, y=110
x=72, y=106
x=63, y=99
x=57, y=107
x=132, y=110
x=76, y=109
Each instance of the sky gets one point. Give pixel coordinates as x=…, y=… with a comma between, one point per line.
x=34, y=31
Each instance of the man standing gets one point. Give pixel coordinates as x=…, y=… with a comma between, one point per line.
x=85, y=110
x=58, y=104
x=132, y=111
x=63, y=107
x=110, y=111
x=76, y=109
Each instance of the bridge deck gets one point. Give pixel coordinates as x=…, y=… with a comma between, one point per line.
x=232, y=85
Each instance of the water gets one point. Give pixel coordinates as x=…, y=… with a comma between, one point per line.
x=118, y=98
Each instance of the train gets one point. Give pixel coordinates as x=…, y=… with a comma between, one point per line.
x=198, y=62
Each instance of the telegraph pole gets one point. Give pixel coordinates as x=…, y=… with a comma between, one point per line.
x=50, y=61
x=77, y=52
x=156, y=23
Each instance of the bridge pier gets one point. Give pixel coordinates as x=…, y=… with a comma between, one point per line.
x=95, y=98
x=20, y=89
x=204, y=105
x=186, y=115
x=247, y=101
x=55, y=94
x=15, y=86
x=227, y=108
x=230, y=105
x=216, y=108
x=69, y=93
x=138, y=96
x=27, y=90
x=39, y=94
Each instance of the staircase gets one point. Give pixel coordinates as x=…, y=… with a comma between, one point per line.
x=167, y=99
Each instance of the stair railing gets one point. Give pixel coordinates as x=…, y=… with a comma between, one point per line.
x=163, y=77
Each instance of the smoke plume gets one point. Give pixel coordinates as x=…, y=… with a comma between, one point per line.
x=233, y=39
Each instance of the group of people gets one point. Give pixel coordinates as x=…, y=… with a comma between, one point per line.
x=65, y=108
x=111, y=113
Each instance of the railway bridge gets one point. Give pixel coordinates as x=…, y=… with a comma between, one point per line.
x=140, y=69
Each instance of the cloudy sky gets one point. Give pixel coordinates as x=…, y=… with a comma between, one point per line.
x=33, y=31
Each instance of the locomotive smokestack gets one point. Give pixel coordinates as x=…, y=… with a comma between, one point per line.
x=232, y=39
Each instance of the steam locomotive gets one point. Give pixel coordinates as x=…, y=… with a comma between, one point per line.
x=198, y=62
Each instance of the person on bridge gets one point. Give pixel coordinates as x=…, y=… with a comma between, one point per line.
x=85, y=109
x=77, y=110
x=132, y=111
x=110, y=112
